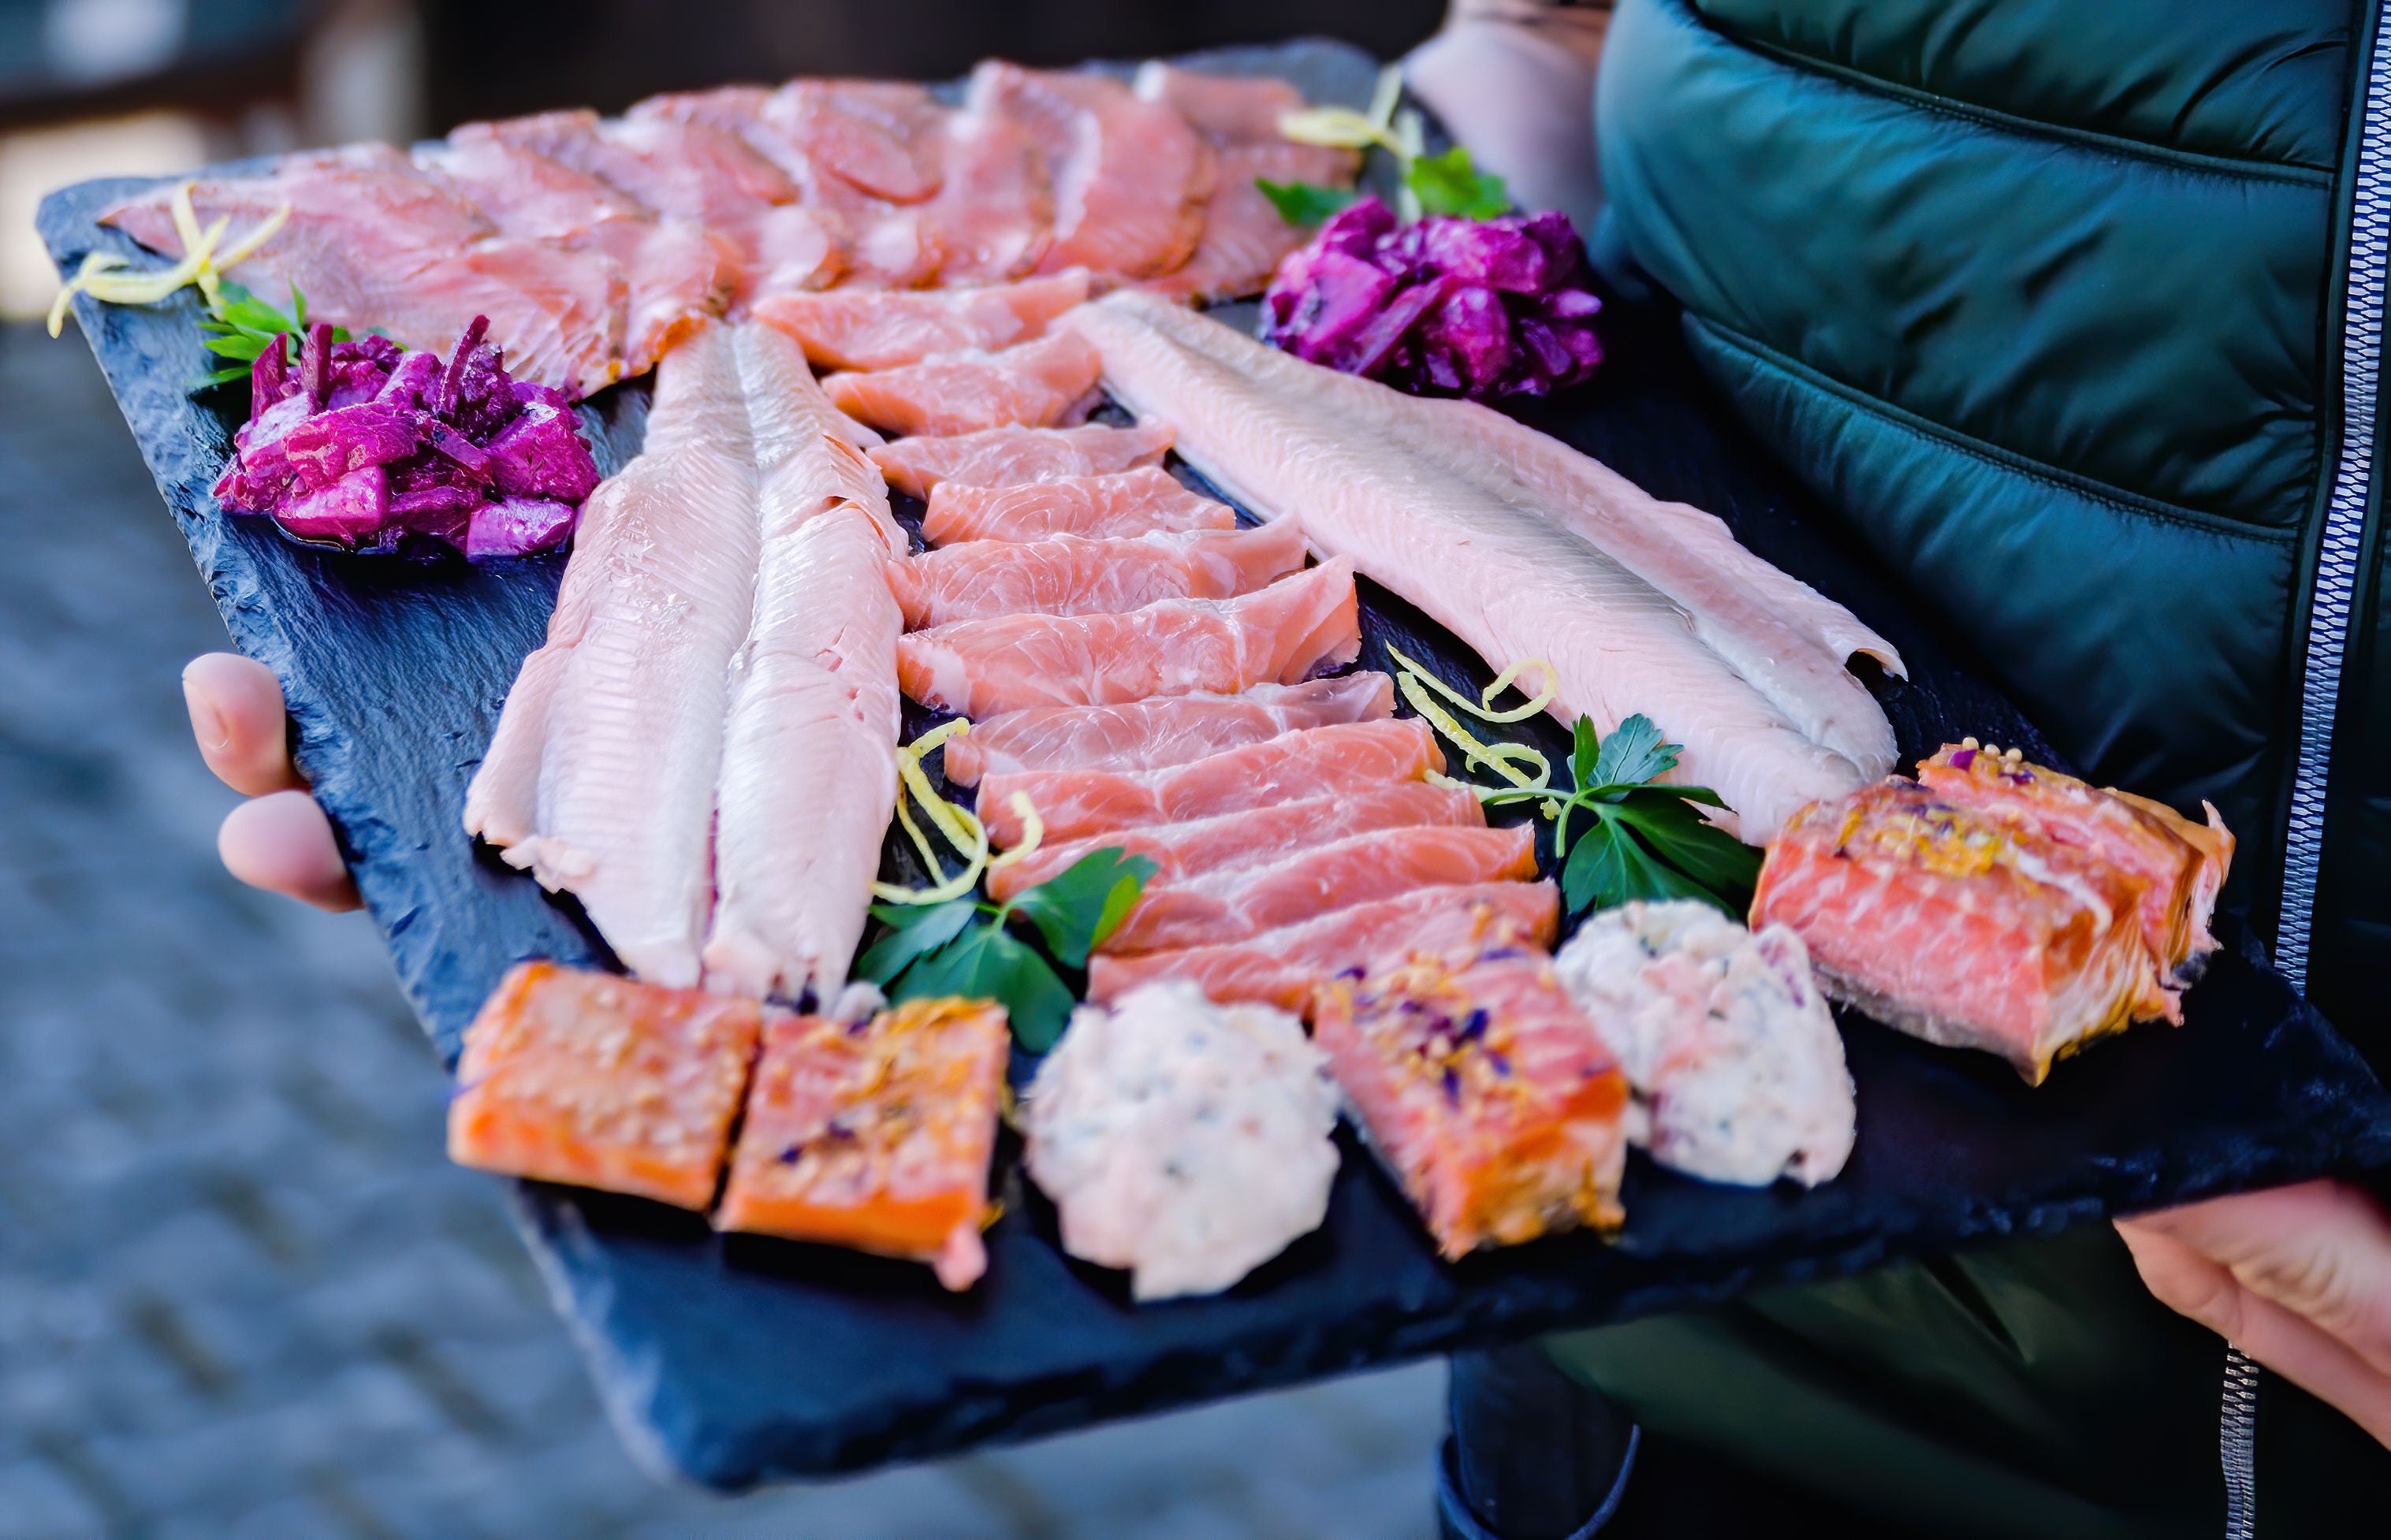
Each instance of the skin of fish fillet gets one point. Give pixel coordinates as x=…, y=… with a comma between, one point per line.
x=1218, y=907
x=1284, y=968
x=1009, y=456
x=1145, y=501
x=655, y=602
x=1285, y=631
x=1149, y=735
x=1068, y=575
x=1030, y=385
x=858, y=328
x=1234, y=841
x=1294, y=766
x=1387, y=480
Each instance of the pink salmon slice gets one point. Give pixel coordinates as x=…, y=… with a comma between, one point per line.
x=1009, y=456
x=1068, y=575
x=1314, y=761
x=881, y=137
x=522, y=192
x=1245, y=238
x=1284, y=633
x=1148, y=500
x=859, y=329
x=1030, y=385
x=1240, y=110
x=995, y=216
x=1150, y=735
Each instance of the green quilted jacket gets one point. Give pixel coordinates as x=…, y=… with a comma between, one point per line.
x=2074, y=309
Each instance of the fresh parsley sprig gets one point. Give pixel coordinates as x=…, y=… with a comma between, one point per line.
x=242, y=326
x=962, y=946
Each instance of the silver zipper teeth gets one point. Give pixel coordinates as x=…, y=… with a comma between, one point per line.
x=2237, y=1440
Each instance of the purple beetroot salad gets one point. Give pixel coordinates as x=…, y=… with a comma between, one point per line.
x=1446, y=307
x=373, y=448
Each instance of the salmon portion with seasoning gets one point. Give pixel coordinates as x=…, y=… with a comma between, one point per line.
x=861, y=329
x=1145, y=501
x=1031, y=385
x=1068, y=575
x=1149, y=735
x=1009, y=456
x=875, y=1134
x=1284, y=968
x=1296, y=767
x=1221, y=908
x=1285, y=631
x=587, y=1078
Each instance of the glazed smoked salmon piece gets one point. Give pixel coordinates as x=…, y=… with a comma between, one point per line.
x=1067, y=576
x=1149, y=735
x=1254, y=837
x=1145, y=501
x=1316, y=761
x=1286, y=631
x=1284, y=968
x=1009, y=456
x=861, y=329
x=574, y=1075
x=875, y=1136
x=1217, y=908
x=1486, y=1092
x=1031, y=385
x=1958, y=928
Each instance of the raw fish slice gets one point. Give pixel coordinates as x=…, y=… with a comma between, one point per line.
x=787, y=248
x=875, y=1136
x=522, y=192
x=1234, y=841
x=1284, y=968
x=860, y=329
x=995, y=216
x=1241, y=110
x=1394, y=482
x=1009, y=456
x=1031, y=385
x=557, y=311
x=1245, y=239
x=1315, y=761
x=1145, y=501
x=882, y=136
x=1150, y=735
x=1068, y=575
x=1946, y=923
x=682, y=166
x=1292, y=628
x=1485, y=1091
x=573, y=1075
x=1131, y=177
x=656, y=600
x=1221, y=908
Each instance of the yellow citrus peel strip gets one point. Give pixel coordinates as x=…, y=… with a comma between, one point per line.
x=108, y=277
x=961, y=830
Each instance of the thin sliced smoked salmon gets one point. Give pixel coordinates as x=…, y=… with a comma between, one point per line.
x=1243, y=239
x=861, y=329
x=875, y=1136
x=1283, y=968
x=1220, y=907
x=1067, y=576
x=882, y=136
x=995, y=216
x=1292, y=629
x=1316, y=761
x=1031, y=385
x=1485, y=1091
x=1149, y=735
x=1008, y=457
x=1145, y=501
x=573, y=1075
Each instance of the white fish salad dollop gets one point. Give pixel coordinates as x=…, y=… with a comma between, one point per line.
x=1737, y=1066
x=1185, y=1141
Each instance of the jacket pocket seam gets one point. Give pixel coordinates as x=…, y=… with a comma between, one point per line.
x=1922, y=429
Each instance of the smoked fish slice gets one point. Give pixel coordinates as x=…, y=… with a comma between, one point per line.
x=1028, y=385
x=994, y=216
x=863, y=328
x=1149, y=735
x=1068, y=575
x=1008, y=457
x=1148, y=500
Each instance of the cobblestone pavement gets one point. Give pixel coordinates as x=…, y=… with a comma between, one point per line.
x=243, y=1295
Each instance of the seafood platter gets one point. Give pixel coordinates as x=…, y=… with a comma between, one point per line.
x=998, y=836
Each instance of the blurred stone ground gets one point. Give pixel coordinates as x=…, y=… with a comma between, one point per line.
x=242, y=1294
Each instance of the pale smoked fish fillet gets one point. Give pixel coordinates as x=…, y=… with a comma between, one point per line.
x=1007, y=456
x=1032, y=384
x=864, y=329
x=1463, y=520
x=1149, y=735
x=1145, y=501
x=1067, y=576
x=1292, y=628
x=602, y=780
x=810, y=757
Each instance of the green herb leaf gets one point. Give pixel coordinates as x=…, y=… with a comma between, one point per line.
x=1607, y=867
x=220, y=376
x=986, y=963
x=1631, y=755
x=913, y=931
x=236, y=346
x=1678, y=835
x=1449, y=183
x=1302, y=203
x=1077, y=907
x=1586, y=754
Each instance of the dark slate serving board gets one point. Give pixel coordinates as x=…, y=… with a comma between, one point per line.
x=739, y=1359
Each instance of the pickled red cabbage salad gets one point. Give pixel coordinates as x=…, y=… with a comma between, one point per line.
x=1444, y=305
x=370, y=447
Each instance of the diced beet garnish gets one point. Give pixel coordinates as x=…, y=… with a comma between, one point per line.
x=520, y=526
x=346, y=512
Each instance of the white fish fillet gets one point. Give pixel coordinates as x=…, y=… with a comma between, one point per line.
x=627, y=699
x=1522, y=552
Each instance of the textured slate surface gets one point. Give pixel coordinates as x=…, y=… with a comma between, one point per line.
x=742, y=1359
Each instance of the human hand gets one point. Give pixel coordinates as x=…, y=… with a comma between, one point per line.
x=1513, y=80
x=2298, y=1277
x=278, y=840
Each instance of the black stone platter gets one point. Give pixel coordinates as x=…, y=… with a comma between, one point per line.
x=739, y=1359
